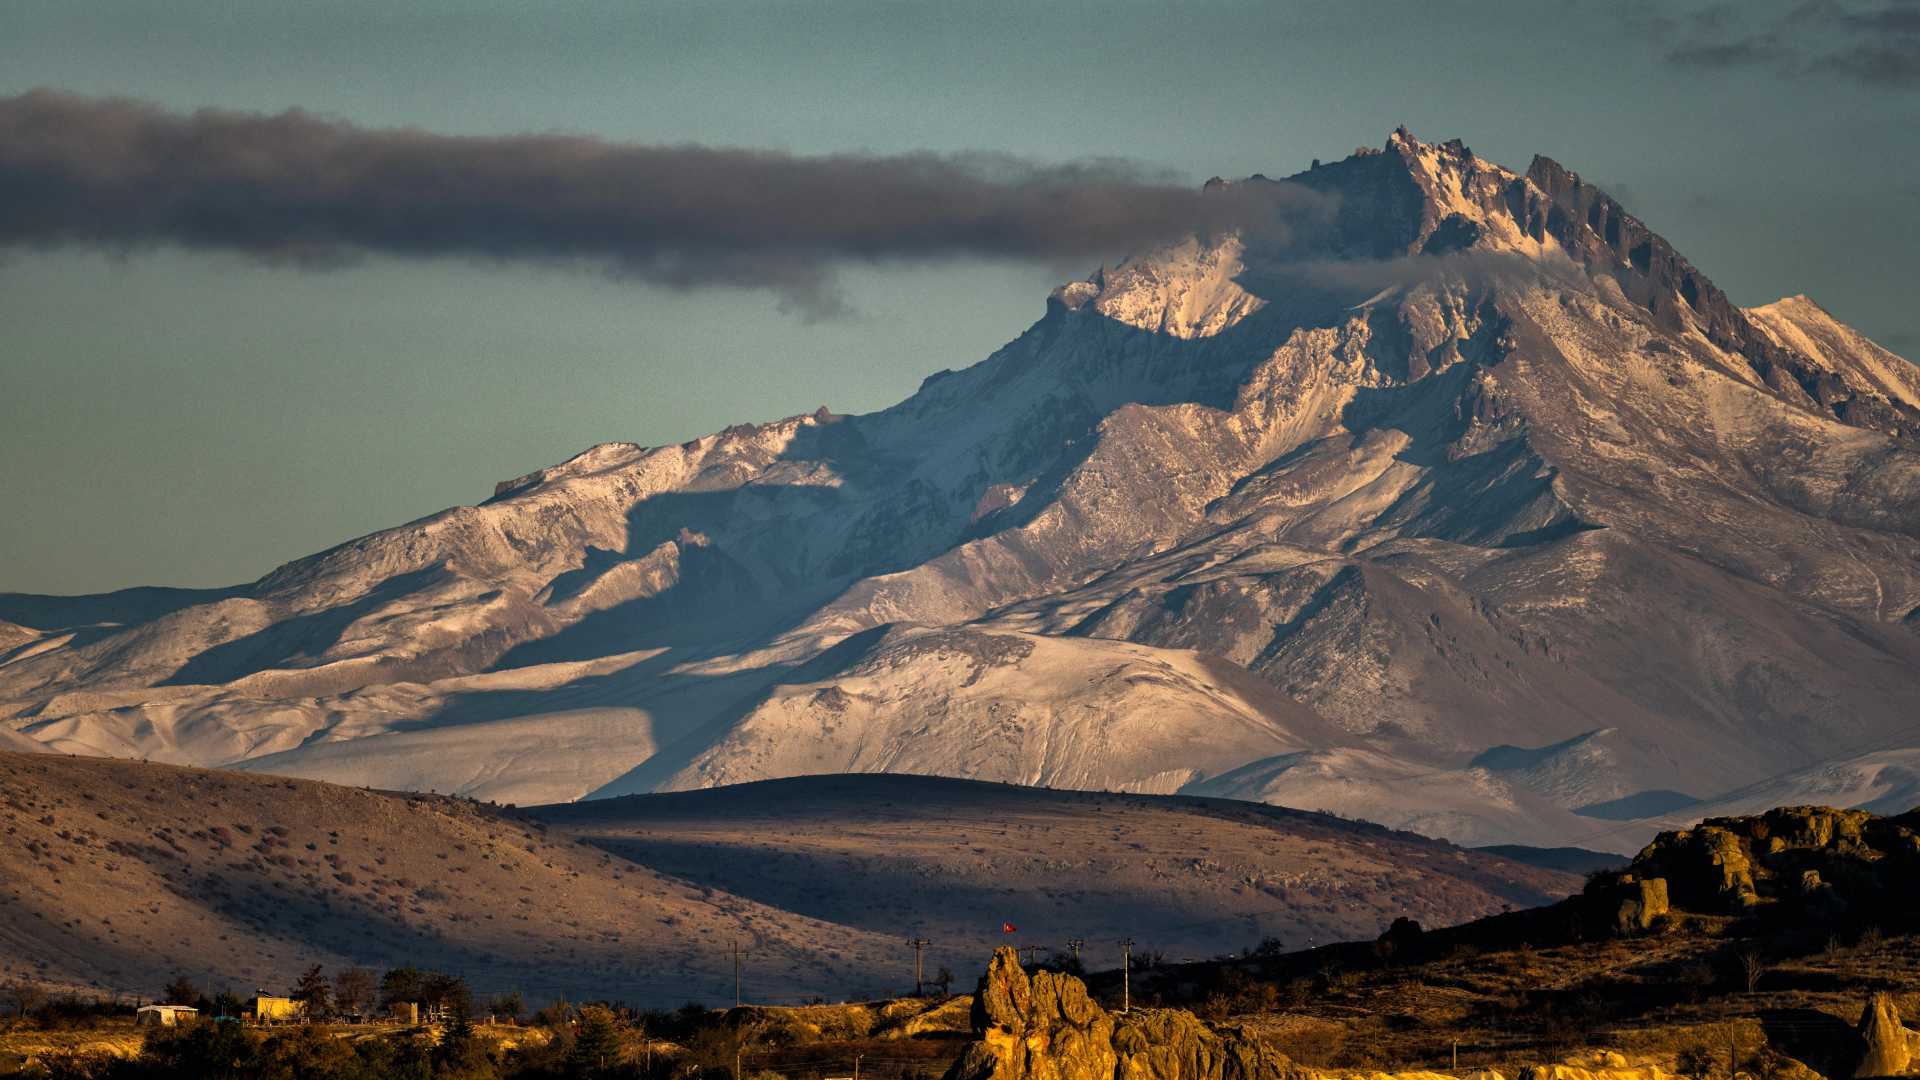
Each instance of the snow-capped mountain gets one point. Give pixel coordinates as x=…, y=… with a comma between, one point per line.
x=1483, y=465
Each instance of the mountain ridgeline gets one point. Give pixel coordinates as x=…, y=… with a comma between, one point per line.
x=1479, y=511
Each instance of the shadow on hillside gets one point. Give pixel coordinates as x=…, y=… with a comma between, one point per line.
x=306, y=635
x=870, y=892
x=122, y=609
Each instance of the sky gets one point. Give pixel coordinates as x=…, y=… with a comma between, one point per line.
x=173, y=414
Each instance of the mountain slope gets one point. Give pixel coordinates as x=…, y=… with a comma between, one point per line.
x=119, y=875
x=1483, y=463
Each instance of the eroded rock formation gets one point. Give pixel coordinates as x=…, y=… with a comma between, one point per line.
x=1888, y=1049
x=1047, y=1028
x=1823, y=860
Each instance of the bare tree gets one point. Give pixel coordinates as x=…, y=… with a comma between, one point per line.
x=1752, y=966
x=353, y=989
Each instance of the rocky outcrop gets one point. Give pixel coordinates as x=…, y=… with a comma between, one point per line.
x=1819, y=861
x=1887, y=1050
x=1047, y=1028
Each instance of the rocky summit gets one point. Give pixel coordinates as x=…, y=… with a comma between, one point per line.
x=1475, y=509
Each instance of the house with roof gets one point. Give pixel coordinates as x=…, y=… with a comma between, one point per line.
x=164, y=1015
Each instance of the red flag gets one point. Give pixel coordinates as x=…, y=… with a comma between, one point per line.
x=1007, y=928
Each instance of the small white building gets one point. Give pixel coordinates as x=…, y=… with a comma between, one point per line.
x=163, y=1015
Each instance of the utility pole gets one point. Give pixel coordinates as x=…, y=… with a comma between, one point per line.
x=1074, y=943
x=856, y=1066
x=1456, y=1055
x=1027, y=951
x=1126, y=975
x=736, y=973
x=919, y=976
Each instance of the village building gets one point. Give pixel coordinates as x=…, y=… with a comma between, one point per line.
x=164, y=1015
x=267, y=1010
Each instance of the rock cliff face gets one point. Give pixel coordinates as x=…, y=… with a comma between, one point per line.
x=1047, y=1028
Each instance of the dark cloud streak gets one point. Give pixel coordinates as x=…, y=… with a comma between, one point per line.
x=304, y=189
x=1874, y=44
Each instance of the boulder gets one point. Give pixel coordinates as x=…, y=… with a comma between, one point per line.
x=1886, y=1051
x=1639, y=901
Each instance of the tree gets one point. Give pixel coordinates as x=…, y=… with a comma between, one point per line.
x=314, y=993
x=353, y=989
x=305, y=1051
x=509, y=1005
x=400, y=984
x=456, y=1042
x=446, y=992
x=597, y=1048
x=1752, y=966
x=207, y=1051
x=944, y=980
x=227, y=1003
x=180, y=991
x=25, y=997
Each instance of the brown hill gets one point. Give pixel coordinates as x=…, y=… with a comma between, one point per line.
x=952, y=860
x=117, y=875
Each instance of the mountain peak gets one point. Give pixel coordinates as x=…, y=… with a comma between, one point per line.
x=1231, y=516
